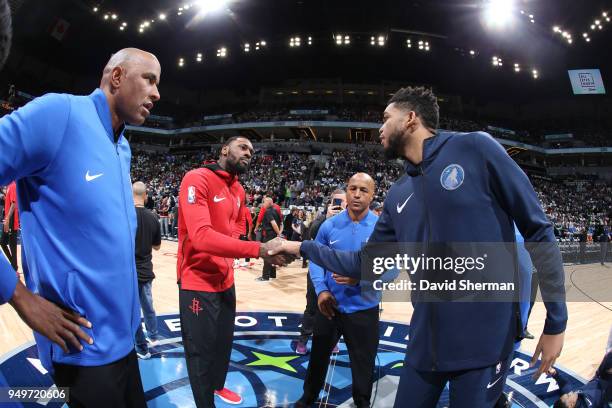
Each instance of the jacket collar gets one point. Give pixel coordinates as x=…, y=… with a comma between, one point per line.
x=218, y=170
x=431, y=146
x=101, y=103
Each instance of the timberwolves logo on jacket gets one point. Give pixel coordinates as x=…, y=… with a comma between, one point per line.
x=452, y=177
x=266, y=371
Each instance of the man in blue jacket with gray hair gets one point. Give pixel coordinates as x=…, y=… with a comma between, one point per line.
x=458, y=188
x=72, y=166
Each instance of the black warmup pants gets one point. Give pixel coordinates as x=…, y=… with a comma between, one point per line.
x=207, y=327
x=116, y=385
x=310, y=312
x=269, y=271
x=360, y=330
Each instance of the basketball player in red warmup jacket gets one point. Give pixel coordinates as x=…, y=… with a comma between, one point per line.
x=212, y=213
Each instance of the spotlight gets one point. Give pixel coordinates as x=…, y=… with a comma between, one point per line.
x=222, y=52
x=498, y=13
x=472, y=52
x=162, y=16
x=95, y=9
x=556, y=29
x=584, y=35
x=140, y=30
x=535, y=74
x=263, y=43
x=181, y=62
x=124, y=24
x=122, y=28
x=309, y=40
x=592, y=26
x=106, y=16
x=210, y=6
x=114, y=16
x=247, y=47
x=517, y=68
x=409, y=43
x=588, y=40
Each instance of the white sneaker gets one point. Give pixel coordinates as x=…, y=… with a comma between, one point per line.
x=144, y=356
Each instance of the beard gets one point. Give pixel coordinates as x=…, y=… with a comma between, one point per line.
x=395, y=147
x=237, y=167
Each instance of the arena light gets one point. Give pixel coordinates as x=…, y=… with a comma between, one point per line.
x=121, y=28
x=309, y=40
x=409, y=43
x=209, y=6
x=95, y=9
x=295, y=42
x=141, y=30
x=517, y=67
x=472, y=52
x=496, y=61
x=199, y=57
x=162, y=16
x=106, y=17
x=342, y=39
x=114, y=16
x=181, y=62
x=535, y=74
x=247, y=47
x=222, y=52
x=499, y=13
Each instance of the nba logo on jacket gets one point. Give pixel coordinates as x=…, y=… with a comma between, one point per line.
x=191, y=195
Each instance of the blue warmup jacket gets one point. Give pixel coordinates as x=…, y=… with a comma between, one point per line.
x=340, y=232
x=467, y=189
x=77, y=218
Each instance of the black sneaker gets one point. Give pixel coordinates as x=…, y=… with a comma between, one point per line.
x=262, y=279
x=529, y=335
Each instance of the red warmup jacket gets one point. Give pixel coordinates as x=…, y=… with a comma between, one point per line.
x=212, y=215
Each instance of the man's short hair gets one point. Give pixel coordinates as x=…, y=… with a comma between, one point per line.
x=338, y=191
x=139, y=188
x=230, y=140
x=420, y=100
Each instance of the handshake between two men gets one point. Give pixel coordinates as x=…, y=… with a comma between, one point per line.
x=280, y=252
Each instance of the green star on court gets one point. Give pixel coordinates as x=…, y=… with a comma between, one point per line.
x=279, y=362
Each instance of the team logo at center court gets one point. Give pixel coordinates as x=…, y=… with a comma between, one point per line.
x=191, y=195
x=452, y=177
x=268, y=373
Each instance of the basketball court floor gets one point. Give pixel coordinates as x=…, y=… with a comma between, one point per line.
x=268, y=373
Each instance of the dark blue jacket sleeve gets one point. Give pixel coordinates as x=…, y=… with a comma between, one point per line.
x=348, y=263
x=517, y=198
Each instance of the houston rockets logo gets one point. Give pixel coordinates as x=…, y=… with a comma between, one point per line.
x=195, y=306
x=265, y=370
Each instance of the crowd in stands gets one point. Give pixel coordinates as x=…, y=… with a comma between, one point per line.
x=294, y=179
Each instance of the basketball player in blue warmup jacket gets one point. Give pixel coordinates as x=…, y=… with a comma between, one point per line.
x=72, y=166
x=458, y=187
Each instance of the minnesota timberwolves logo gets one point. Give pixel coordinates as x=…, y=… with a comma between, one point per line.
x=452, y=177
x=266, y=371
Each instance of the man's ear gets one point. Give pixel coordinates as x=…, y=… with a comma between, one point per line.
x=116, y=77
x=410, y=120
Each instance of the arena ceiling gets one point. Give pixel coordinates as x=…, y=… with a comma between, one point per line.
x=452, y=28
